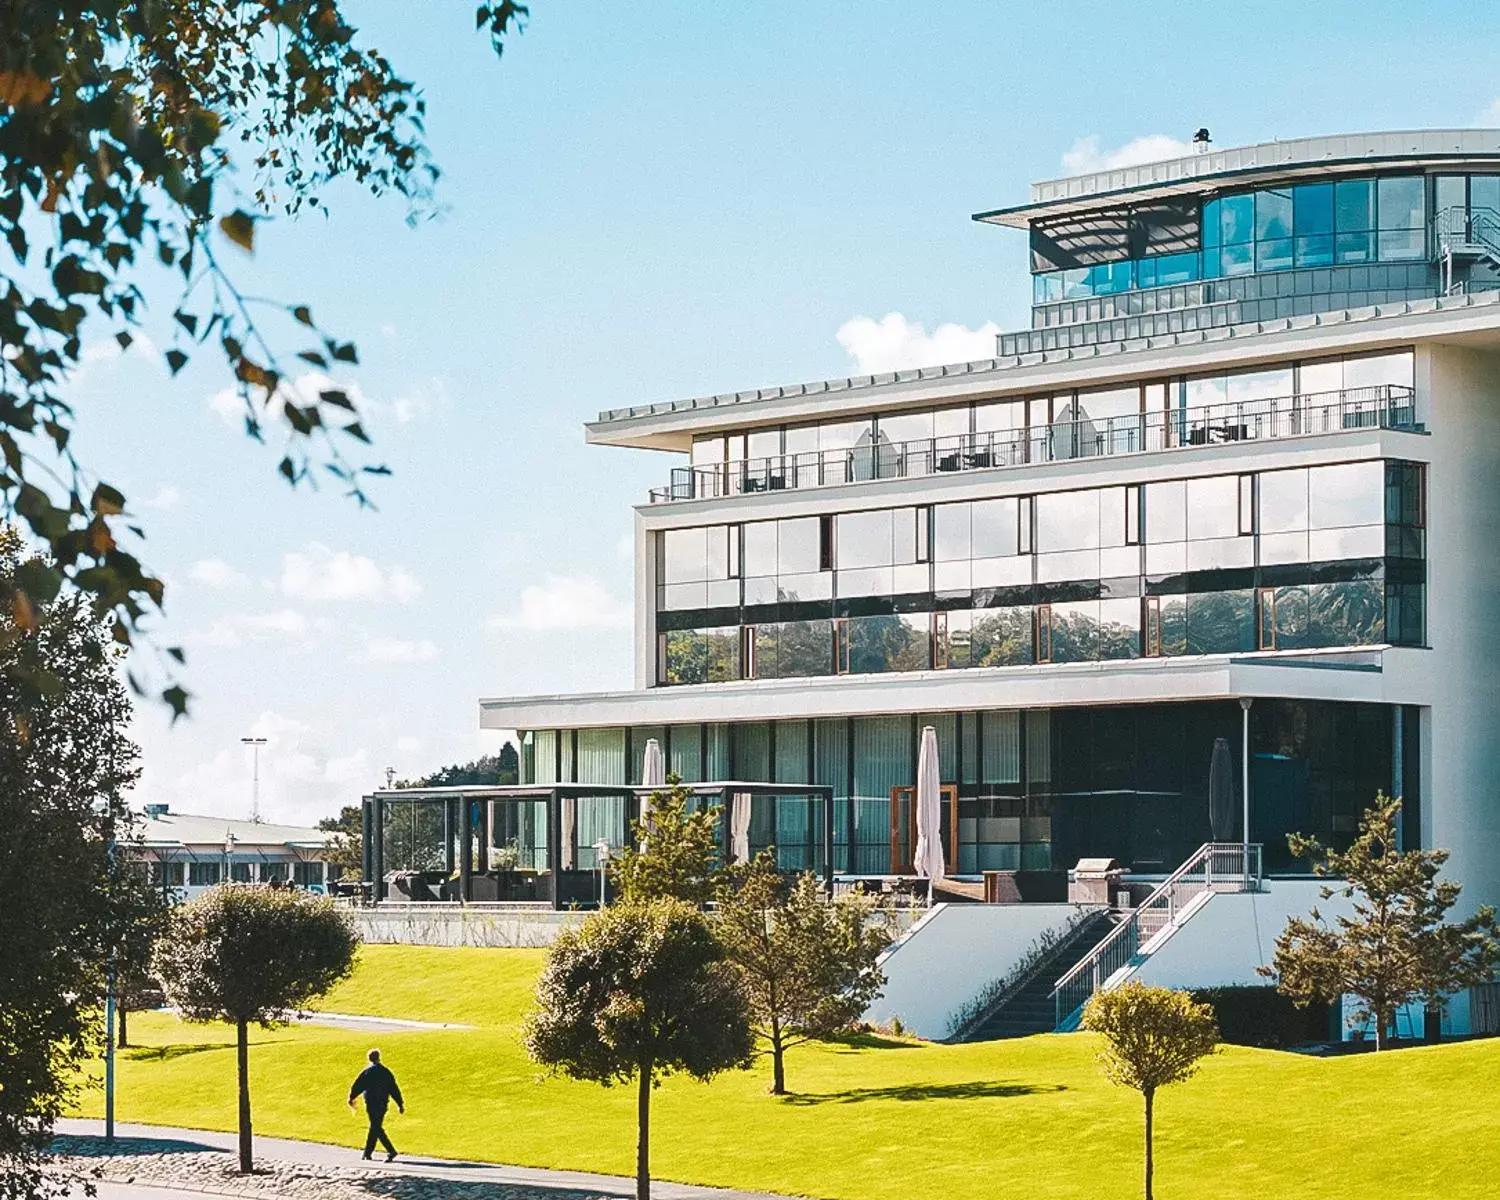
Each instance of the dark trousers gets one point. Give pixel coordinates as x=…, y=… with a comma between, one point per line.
x=377, y=1133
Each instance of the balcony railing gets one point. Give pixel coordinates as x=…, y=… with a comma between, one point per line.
x=1385, y=406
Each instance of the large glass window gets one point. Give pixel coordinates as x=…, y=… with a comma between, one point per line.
x=1312, y=217
x=1403, y=218
x=1354, y=221
x=1273, y=229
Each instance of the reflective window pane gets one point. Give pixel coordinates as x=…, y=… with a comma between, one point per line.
x=1067, y=521
x=1221, y=622
x=759, y=548
x=950, y=532
x=994, y=527
x=888, y=643
x=1283, y=501
x=1312, y=208
x=1213, y=507
x=1166, y=512
x=685, y=555
x=804, y=648
x=1000, y=637
x=798, y=545
x=1346, y=494
x=863, y=539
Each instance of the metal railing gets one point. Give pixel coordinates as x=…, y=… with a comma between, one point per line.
x=1383, y=406
x=1213, y=867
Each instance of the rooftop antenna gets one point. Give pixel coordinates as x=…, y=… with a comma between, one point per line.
x=1201, y=141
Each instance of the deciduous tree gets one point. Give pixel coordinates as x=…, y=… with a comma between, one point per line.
x=1153, y=1037
x=676, y=851
x=66, y=763
x=1395, y=946
x=810, y=965
x=252, y=956
x=137, y=135
x=638, y=991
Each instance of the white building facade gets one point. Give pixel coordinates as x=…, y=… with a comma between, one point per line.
x=1248, y=451
x=185, y=855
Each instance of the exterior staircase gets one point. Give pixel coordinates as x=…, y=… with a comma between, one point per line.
x=1467, y=235
x=1027, y=1007
x=1212, y=868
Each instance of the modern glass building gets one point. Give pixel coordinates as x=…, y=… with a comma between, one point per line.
x=1237, y=481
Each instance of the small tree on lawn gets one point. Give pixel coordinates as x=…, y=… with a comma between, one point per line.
x=809, y=965
x=636, y=992
x=676, y=851
x=1395, y=947
x=251, y=955
x=1152, y=1037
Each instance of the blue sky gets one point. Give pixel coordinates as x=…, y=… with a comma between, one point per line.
x=643, y=203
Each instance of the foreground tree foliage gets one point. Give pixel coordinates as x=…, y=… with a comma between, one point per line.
x=1396, y=947
x=676, y=852
x=252, y=956
x=1153, y=1037
x=638, y=991
x=809, y=966
x=134, y=135
x=65, y=765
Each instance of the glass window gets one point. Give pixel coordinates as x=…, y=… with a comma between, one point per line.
x=1451, y=192
x=1346, y=494
x=759, y=548
x=1213, y=507
x=889, y=643
x=1484, y=194
x=1273, y=230
x=799, y=546
x=1346, y=614
x=864, y=539
x=999, y=415
x=1283, y=501
x=1373, y=370
x=998, y=637
x=994, y=528
x=1354, y=220
x=708, y=451
x=1237, y=219
x=1075, y=631
x=950, y=532
x=1120, y=628
x=1067, y=521
x=1220, y=622
x=685, y=554
x=1166, y=512
x=1312, y=220
x=804, y=648
x=1403, y=218
x=1075, y=284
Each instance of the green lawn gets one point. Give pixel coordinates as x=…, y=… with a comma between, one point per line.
x=881, y=1119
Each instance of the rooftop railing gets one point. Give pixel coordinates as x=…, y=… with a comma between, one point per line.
x=1384, y=406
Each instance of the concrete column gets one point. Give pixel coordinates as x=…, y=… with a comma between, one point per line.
x=465, y=850
x=377, y=848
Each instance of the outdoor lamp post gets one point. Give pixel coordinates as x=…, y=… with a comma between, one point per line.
x=229, y=840
x=601, y=859
x=1245, y=703
x=102, y=808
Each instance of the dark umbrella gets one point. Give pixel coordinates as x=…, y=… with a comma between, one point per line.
x=1221, y=792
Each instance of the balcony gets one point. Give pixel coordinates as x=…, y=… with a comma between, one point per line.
x=1386, y=406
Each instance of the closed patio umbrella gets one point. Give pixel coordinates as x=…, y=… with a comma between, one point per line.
x=1221, y=792
x=739, y=827
x=927, y=859
x=653, y=772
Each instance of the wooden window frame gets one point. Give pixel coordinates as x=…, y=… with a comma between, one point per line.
x=1042, y=629
x=1151, y=626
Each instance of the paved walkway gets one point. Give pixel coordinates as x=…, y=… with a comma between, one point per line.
x=144, y=1156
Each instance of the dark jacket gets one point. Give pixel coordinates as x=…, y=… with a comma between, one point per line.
x=378, y=1086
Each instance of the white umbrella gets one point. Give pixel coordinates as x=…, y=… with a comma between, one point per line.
x=927, y=859
x=653, y=773
x=569, y=833
x=739, y=827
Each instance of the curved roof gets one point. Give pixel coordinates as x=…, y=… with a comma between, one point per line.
x=1245, y=166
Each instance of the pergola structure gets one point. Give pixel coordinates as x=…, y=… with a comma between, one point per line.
x=467, y=811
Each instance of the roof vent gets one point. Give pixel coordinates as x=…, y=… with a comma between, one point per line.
x=1201, y=141
x=156, y=811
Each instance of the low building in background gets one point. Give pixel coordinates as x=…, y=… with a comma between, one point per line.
x=187, y=854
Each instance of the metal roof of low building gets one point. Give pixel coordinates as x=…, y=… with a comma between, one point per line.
x=1241, y=166
x=182, y=829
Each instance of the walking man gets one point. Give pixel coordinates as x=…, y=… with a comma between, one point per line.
x=378, y=1086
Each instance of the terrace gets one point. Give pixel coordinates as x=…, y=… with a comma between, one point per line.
x=1383, y=406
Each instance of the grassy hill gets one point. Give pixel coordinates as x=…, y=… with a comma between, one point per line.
x=871, y=1120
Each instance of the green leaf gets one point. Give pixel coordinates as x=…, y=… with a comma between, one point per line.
x=313, y=357
x=337, y=398
x=176, y=653
x=287, y=469
x=176, y=360
x=124, y=338
x=344, y=353
x=186, y=320
x=176, y=698
x=303, y=314
x=107, y=501
x=239, y=228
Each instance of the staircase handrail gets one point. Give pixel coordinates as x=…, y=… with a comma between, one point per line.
x=1165, y=895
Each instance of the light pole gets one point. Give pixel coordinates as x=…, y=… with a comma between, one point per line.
x=1245, y=703
x=255, y=743
x=109, y=996
x=229, y=840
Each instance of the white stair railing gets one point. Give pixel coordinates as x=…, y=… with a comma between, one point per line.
x=1213, y=867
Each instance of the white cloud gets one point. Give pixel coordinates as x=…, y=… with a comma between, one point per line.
x=319, y=573
x=301, y=780
x=215, y=573
x=1086, y=156
x=409, y=745
x=895, y=344
x=564, y=602
x=234, y=629
x=164, y=497
x=398, y=650
x=415, y=402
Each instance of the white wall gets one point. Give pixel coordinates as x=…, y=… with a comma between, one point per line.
x=1461, y=757
x=1224, y=942
x=949, y=958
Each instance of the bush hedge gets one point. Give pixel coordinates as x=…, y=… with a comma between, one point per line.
x=1262, y=1016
